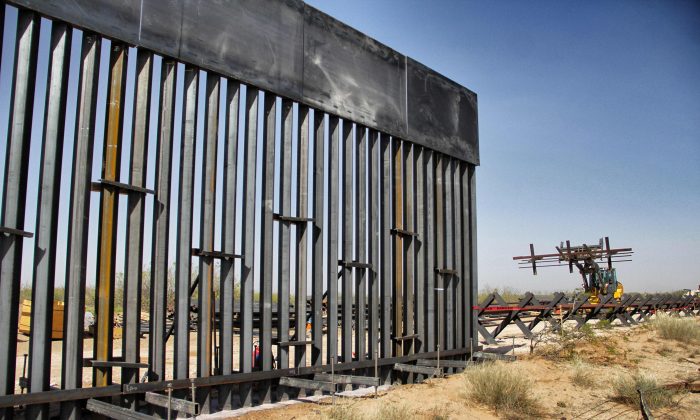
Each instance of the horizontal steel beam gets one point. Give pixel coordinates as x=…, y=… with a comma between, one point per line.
x=176, y=404
x=347, y=379
x=307, y=384
x=423, y=370
x=113, y=411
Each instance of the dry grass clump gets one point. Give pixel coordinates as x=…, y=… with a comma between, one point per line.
x=501, y=387
x=685, y=330
x=625, y=389
x=581, y=374
x=385, y=412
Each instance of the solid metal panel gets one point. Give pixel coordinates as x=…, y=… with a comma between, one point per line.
x=333, y=198
x=131, y=338
x=14, y=191
x=361, y=247
x=346, y=215
x=228, y=235
x=353, y=75
x=107, y=236
x=316, y=265
x=387, y=218
x=429, y=242
x=374, y=244
x=420, y=247
x=161, y=222
x=257, y=42
x=78, y=222
x=248, y=161
x=441, y=114
x=296, y=51
x=302, y=176
x=205, y=315
x=285, y=208
x=267, y=172
x=47, y=215
x=183, y=263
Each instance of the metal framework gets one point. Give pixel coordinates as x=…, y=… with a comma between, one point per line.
x=495, y=314
x=282, y=166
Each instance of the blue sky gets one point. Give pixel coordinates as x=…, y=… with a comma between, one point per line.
x=589, y=124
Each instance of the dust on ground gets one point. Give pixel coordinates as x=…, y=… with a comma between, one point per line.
x=608, y=353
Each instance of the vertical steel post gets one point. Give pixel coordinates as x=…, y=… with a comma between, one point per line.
x=420, y=249
x=302, y=177
x=14, y=192
x=183, y=264
x=47, y=216
x=318, y=241
x=205, y=315
x=398, y=251
x=375, y=235
x=346, y=218
x=440, y=244
x=360, y=244
x=228, y=235
x=135, y=215
x=285, y=185
x=449, y=279
x=248, y=161
x=78, y=222
x=332, y=256
x=458, y=258
x=429, y=243
x=408, y=245
x=108, y=214
x=387, y=218
x=472, y=250
x=161, y=222
x=267, y=172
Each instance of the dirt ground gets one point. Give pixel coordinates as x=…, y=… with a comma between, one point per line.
x=611, y=353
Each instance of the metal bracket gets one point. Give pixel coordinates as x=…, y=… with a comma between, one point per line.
x=293, y=343
x=196, y=252
x=446, y=271
x=292, y=219
x=16, y=232
x=120, y=186
x=402, y=232
x=355, y=264
x=117, y=364
x=407, y=337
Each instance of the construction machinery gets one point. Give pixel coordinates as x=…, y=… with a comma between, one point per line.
x=594, y=263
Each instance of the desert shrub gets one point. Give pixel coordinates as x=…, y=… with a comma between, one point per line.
x=581, y=374
x=393, y=412
x=501, y=387
x=685, y=330
x=342, y=412
x=625, y=389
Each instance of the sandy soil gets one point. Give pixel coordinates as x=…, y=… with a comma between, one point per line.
x=549, y=368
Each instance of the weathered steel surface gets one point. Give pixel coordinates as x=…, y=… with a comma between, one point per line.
x=298, y=52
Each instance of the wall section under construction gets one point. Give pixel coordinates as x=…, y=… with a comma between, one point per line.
x=258, y=150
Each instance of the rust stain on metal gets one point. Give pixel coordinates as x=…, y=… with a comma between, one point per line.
x=110, y=168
